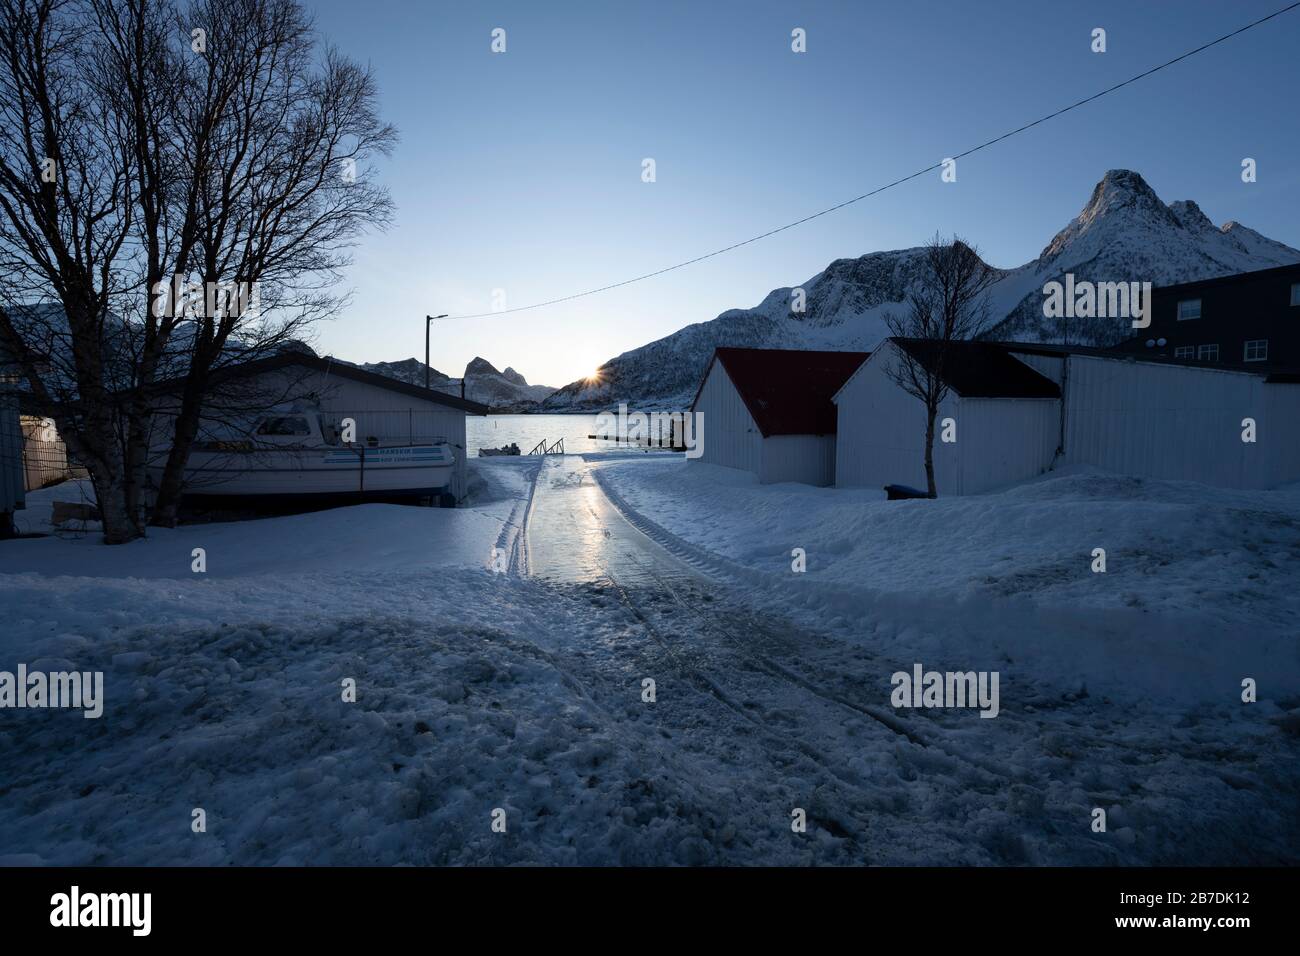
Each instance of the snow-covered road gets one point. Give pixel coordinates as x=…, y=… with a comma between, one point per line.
x=576, y=534
x=804, y=715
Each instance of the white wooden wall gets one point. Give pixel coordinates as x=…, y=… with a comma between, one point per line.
x=731, y=436
x=880, y=438
x=1280, y=444
x=1182, y=423
x=809, y=459
x=1138, y=418
x=1001, y=441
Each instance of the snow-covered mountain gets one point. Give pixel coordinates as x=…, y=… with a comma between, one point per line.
x=1123, y=233
x=504, y=391
x=485, y=384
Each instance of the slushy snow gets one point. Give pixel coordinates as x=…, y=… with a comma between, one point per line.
x=523, y=690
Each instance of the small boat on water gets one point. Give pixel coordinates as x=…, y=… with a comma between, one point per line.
x=511, y=449
x=297, y=452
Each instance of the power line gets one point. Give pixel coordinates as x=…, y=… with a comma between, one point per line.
x=897, y=182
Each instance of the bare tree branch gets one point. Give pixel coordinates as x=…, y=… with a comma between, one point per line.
x=949, y=304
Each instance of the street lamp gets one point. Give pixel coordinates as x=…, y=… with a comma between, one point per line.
x=427, y=320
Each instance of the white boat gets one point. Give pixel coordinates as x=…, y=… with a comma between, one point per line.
x=294, y=453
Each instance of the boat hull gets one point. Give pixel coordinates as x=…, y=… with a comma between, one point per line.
x=399, y=470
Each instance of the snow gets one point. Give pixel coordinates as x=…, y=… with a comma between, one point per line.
x=1189, y=568
x=479, y=690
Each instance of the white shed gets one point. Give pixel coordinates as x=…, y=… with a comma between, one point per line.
x=769, y=411
x=1154, y=418
x=1005, y=421
x=385, y=408
x=1165, y=418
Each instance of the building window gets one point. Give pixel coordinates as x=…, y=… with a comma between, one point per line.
x=1295, y=293
x=1189, y=309
x=1185, y=351
x=1208, y=353
x=1256, y=350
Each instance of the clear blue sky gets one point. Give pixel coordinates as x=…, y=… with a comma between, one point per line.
x=522, y=171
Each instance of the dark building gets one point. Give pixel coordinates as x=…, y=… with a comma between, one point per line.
x=1251, y=319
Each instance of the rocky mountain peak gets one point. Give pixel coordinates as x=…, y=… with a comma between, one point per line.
x=1189, y=215
x=1122, y=200
x=1124, y=232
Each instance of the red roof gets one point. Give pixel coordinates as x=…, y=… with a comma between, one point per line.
x=787, y=391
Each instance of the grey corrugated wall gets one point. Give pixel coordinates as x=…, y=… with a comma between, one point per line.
x=12, y=496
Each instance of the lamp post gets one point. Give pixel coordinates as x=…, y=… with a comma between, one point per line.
x=427, y=320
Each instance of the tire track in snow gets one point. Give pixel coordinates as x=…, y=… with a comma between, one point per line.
x=589, y=538
x=704, y=561
x=743, y=645
x=513, y=539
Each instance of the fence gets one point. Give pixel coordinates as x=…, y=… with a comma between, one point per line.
x=45, y=457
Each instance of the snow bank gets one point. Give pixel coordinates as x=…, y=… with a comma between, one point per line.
x=364, y=536
x=1199, y=589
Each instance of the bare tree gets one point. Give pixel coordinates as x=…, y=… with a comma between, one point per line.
x=199, y=145
x=67, y=208
x=948, y=304
x=283, y=191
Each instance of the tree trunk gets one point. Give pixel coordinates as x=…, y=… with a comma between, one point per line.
x=172, y=483
x=931, y=411
x=120, y=525
x=94, y=443
x=116, y=479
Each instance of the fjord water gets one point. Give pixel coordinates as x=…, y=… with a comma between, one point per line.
x=493, y=431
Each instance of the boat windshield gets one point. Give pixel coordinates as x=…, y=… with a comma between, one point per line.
x=285, y=425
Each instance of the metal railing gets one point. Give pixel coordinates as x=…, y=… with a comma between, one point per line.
x=410, y=426
x=555, y=448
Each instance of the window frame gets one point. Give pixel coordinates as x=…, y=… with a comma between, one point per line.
x=1206, y=358
x=1200, y=311
x=305, y=432
x=1245, y=350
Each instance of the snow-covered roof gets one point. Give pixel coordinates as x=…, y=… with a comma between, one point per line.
x=329, y=365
